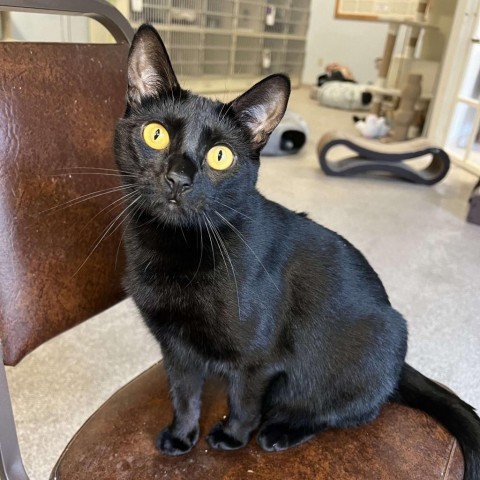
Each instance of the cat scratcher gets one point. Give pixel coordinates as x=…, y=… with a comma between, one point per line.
x=474, y=210
x=372, y=156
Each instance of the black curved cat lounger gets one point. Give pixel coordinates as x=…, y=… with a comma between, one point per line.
x=373, y=156
x=474, y=209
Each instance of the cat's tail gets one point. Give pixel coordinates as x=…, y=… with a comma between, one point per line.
x=417, y=391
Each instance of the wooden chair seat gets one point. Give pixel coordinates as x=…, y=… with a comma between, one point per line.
x=118, y=443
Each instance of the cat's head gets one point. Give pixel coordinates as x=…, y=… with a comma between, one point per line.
x=185, y=155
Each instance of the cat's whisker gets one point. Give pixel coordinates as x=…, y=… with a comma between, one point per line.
x=231, y=103
x=225, y=95
x=135, y=211
x=226, y=111
x=184, y=81
x=201, y=256
x=209, y=222
x=121, y=221
x=105, y=233
x=87, y=196
x=183, y=234
x=225, y=91
x=120, y=243
x=235, y=230
x=80, y=167
x=231, y=208
x=221, y=111
x=171, y=89
x=111, y=207
x=97, y=169
x=148, y=221
x=106, y=174
x=211, y=244
x=244, y=215
x=222, y=242
x=220, y=117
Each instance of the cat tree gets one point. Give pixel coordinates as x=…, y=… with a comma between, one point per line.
x=395, y=70
x=383, y=83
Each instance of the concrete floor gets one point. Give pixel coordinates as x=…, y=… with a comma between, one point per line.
x=415, y=237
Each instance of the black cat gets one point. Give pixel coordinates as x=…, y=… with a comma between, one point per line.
x=234, y=284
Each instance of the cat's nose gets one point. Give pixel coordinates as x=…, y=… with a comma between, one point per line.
x=178, y=182
x=180, y=173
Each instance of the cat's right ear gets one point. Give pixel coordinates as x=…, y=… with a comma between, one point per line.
x=150, y=71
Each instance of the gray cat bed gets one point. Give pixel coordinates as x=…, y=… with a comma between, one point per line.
x=289, y=136
x=342, y=95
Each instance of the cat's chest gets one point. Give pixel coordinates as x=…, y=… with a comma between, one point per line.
x=195, y=308
x=194, y=315
x=162, y=287
x=176, y=275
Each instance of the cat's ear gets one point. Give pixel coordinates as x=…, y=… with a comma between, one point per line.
x=262, y=107
x=150, y=71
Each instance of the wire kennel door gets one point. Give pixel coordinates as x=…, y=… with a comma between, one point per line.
x=218, y=45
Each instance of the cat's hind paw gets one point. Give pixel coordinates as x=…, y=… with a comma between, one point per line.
x=221, y=440
x=275, y=437
x=172, y=445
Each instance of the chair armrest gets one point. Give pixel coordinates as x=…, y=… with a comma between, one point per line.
x=100, y=10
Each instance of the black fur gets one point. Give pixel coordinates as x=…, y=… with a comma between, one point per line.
x=233, y=284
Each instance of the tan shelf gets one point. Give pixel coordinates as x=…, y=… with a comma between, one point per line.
x=405, y=21
x=393, y=92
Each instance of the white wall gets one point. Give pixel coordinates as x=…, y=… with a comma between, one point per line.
x=355, y=43
x=34, y=27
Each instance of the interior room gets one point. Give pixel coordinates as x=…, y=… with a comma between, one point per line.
x=396, y=82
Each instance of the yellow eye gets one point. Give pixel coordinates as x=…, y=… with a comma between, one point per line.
x=156, y=136
x=220, y=157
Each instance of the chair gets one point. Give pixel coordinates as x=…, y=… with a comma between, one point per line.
x=68, y=98
x=58, y=107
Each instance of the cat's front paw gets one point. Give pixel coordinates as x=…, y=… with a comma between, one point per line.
x=218, y=438
x=173, y=445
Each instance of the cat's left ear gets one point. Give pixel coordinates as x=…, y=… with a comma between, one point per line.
x=150, y=71
x=262, y=107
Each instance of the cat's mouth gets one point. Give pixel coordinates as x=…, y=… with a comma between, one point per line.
x=171, y=207
x=174, y=200
x=174, y=210
x=174, y=205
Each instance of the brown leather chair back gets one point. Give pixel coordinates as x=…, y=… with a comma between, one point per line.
x=58, y=107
